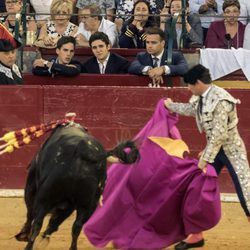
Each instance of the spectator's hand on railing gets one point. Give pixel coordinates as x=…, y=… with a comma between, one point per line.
x=156, y=72
x=158, y=80
x=39, y=63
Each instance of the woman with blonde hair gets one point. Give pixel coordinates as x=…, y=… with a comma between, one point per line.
x=59, y=24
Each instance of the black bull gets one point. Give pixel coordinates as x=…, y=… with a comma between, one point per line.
x=67, y=174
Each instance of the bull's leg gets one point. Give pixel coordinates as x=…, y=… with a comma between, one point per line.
x=29, y=196
x=82, y=215
x=56, y=219
x=36, y=227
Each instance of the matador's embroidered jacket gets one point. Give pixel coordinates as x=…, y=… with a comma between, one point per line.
x=219, y=121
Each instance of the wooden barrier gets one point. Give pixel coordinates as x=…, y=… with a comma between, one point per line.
x=82, y=54
x=98, y=80
x=111, y=113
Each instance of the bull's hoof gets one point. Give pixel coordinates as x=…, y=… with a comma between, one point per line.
x=42, y=242
x=22, y=236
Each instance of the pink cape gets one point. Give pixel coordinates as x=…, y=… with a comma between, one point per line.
x=158, y=200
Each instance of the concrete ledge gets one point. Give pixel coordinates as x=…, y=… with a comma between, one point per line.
x=11, y=193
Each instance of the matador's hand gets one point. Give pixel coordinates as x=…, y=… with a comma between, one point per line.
x=202, y=165
x=167, y=102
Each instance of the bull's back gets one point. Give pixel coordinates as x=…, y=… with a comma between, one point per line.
x=70, y=152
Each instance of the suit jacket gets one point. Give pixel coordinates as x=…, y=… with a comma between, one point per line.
x=179, y=65
x=116, y=65
x=58, y=69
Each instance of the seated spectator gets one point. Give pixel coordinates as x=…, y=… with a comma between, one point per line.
x=194, y=34
x=41, y=7
x=103, y=62
x=208, y=9
x=244, y=11
x=59, y=25
x=12, y=7
x=93, y=21
x=63, y=64
x=125, y=7
x=9, y=71
x=153, y=62
x=229, y=32
x=246, y=44
x=107, y=6
x=133, y=30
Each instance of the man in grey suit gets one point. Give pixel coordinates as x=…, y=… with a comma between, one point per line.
x=153, y=62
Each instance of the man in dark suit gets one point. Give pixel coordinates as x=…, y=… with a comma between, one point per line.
x=63, y=64
x=103, y=62
x=153, y=62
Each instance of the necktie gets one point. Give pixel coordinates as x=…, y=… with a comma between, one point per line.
x=200, y=104
x=155, y=62
x=102, y=69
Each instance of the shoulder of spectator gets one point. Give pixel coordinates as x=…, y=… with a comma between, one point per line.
x=117, y=57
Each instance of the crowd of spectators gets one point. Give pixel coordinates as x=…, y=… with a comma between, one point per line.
x=106, y=24
x=125, y=21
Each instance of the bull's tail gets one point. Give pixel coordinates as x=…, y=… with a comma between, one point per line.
x=126, y=152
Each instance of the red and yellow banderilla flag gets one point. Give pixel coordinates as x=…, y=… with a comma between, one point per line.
x=18, y=138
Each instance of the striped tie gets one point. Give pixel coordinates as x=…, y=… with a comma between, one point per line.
x=155, y=62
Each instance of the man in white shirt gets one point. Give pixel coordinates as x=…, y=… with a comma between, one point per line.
x=92, y=21
x=209, y=9
x=244, y=11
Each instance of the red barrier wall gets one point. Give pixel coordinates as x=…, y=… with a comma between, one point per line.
x=98, y=80
x=110, y=113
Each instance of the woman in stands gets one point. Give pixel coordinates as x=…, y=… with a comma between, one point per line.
x=229, y=32
x=133, y=30
x=125, y=7
x=12, y=7
x=194, y=35
x=58, y=26
x=9, y=71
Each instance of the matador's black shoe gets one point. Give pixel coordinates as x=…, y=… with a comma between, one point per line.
x=184, y=245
